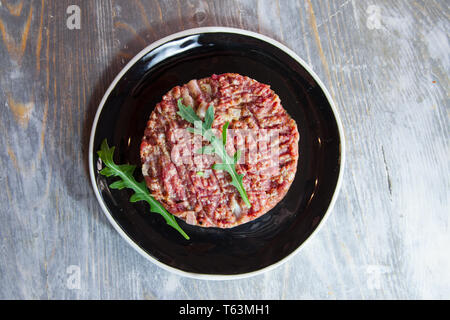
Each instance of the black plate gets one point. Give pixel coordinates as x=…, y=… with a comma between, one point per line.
x=251, y=247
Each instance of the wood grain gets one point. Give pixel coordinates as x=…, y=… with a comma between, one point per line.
x=386, y=64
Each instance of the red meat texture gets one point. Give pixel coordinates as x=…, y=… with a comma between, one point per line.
x=183, y=180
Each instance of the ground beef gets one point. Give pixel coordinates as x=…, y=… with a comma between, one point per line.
x=183, y=180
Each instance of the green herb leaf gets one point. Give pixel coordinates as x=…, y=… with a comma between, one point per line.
x=205, y=150
x=217, y=145
x=191, y=130
x=125, y=173
x=219, y=166
x=224, y=133
x=187, y=113
x=209, y=117
x=237, y=156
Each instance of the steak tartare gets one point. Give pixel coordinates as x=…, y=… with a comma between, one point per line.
x=259, y=127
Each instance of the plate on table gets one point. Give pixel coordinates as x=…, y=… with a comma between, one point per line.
x=253, y=247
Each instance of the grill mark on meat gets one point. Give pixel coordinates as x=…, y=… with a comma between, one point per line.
x=214, y=174
x=195, y=203
x=183, y=175
x=200, y=105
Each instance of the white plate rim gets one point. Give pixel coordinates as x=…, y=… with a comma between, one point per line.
x=213, y=30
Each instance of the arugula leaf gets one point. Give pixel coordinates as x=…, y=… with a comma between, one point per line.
x=185, y=113
x=209, y=117
x=237, y=156
x=125, y=173
x=216, y=146
x=224, y=133
x=206, y=150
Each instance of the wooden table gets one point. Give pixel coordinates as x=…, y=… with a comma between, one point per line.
x=386, y=64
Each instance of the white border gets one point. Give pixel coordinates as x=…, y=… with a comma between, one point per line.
x=183, y=34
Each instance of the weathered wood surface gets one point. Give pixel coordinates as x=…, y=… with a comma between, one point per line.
x=386, y=64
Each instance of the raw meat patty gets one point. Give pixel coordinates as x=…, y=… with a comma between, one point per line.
x=183, y=180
